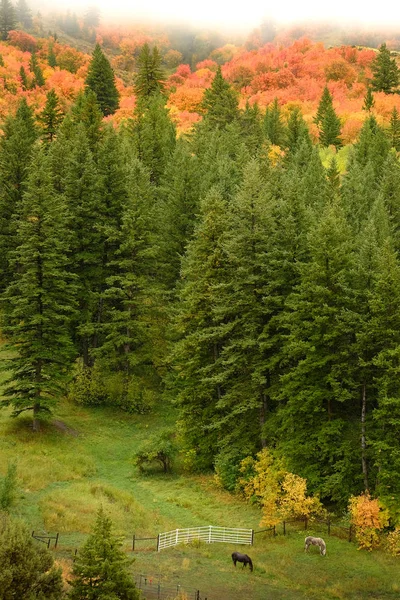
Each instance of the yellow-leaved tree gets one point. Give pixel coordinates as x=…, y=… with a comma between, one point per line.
x=281, y=494
x=368, y=517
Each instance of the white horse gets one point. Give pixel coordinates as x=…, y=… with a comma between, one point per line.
x=314, y=541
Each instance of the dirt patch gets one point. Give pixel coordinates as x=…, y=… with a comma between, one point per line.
x=61, y=426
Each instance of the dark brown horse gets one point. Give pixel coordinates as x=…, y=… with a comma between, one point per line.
x=243, y=558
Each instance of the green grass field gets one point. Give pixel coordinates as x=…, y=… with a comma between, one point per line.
x=84, y=459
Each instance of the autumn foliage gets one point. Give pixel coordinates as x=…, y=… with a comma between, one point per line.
x=368, y=518
x=281, y=494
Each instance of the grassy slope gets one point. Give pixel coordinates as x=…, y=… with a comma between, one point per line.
x=66, y=477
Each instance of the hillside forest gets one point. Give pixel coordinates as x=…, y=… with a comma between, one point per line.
x=221, y=237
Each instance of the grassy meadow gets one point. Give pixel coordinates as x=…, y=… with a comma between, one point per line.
x=83, y=459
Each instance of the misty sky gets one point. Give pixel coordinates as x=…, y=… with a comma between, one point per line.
x=251, y=12
x=246, y=13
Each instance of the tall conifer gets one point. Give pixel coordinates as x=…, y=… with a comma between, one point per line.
x=100, y=79
x=40, y=299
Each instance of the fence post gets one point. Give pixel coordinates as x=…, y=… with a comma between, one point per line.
x=56, y=542
x=209, y=533
x=274, y=531
x=284, y=528
x=252, y=537
x=158, y=591
x=329, y=526
x=350, y=532
x=158, y=543
x=133, y=543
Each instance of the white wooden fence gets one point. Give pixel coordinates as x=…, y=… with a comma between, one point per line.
x=208, y=534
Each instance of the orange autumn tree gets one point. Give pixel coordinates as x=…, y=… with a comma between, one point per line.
x=368, y=517
x=282, y=495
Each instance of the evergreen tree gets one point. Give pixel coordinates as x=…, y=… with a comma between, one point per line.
x=39, y=300
x=273, y=125
x=372, y=146
x=7, y=18
x=244, y=303
x=51, y=116
x=154, y=136
x=86, y=110
x=385, y=72
x=317, y=390
x=220, y=103
x=38, y=79
x=100, y=79
x=24, y=78
x=369, y=101
x=27, y=569
x=394, y=129
x=81, y=190
x=222, y=154
x=327, y=121
x=196, y=354
x=251, y=125
x=384, y=330
x=297, y=130
x=179, y=192
x=333, y=176
x=131, y=292
x=15, y=156
x=150, y=78
x=24, y=14
x=92, y=17
x=51, y=57
x=101, y=569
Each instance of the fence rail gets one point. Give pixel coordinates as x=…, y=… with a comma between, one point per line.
x=208, y=534
x=46, y=539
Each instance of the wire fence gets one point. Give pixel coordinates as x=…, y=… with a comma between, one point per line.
x=152, y=587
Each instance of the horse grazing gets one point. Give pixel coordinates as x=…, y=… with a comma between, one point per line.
x=243, y=558
x=314, y=541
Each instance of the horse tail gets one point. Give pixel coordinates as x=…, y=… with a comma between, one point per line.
x=250, y=563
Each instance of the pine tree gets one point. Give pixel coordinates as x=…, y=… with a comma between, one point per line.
x=7, y=18
x=369, y=101
x=101, y=569
x=51, y=116
x=220, y=103
x=316, y=392
x=176, y=215
x=385, y=72
x=38, y=79
x=27, y=569
x=154, y=136
x=92, y=17
x=81, y=190
x=100, y=79
x=23, y=78
x=150, y=78
x=273, y=125
x=39, y=300
x=24, y=14
x=372, y=146
x=51, y=57
x=86, y=110
x=394, y=129
x=297, y=130
x=384, y=330
x=16, y=146
x=251, y=125
x=327, y=121
x=131, y=294
x=244, y=303
x=196, y=354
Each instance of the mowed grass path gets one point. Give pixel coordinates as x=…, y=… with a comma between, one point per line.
x=84, y=459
